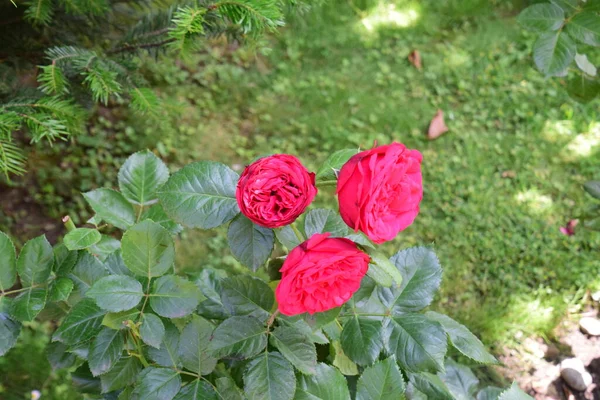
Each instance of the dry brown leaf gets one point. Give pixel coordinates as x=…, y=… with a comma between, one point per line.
x=437, y=127
x=415, y=59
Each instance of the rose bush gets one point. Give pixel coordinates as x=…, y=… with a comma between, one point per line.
x=344, y=321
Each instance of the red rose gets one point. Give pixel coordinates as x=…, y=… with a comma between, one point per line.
x=273, y=191
x=379, y=191
x=320, y=274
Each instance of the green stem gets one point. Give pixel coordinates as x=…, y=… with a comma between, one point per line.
x=299, y=235
x=140, y=354
x=18, y=290
x=327, y=183
x=68, y=223
x=140, y=213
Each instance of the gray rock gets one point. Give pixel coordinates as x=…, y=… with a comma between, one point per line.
x=590, y=325
x=574, y=374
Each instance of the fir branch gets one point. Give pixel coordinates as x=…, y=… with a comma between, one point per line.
x=52, y=80
x=12, y=160
x=143, y=100
x=39, y=12
x=254, y=16
x=188, y=23
x=135, y=47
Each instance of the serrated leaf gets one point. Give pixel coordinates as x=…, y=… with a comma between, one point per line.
x=193, y=346
x=270, y=377
x=542, y=17
x=227, y=389
x=418, y=343
x=302, y=326
x=585, y=27
x=287, y=237
x=168, y=353
x=489, y=393
x=81, y=238
x=8, y=263
x=157, y=214
x=334, y=162
x=116, y=293
x=117, y=320
x=240, y=336
x=421, y=273
x=250, y=244
x=361, y=340
x=81, y=323
x=246, y=295
x=84, y=382
x=328, y=383
x=141, y=176
x=58, y=357
x=35, y=261
x=553, y=52
x=566, y=5
x=322, y=220
x=380, y=265
x=462, y=339
x=197, y=390
x=174, y=297
x=317, y=320
x=431, y=385
x=381, y=381
x=585, y=65
x=209, y=282
x=105, y=351
x=9, y=329
x=122, y=374
x=105, y=247
x=111, y=207
x=583, y=89
x=514, y=393
x=296, y=347
x=152, y=330
x=115, y=265
x=201, y=195
x=148, y=249
x=28, y=304
x=459, y=379
x=593, y=189
x=87, y=271
x=64, y=260
x=60, y=289
x=158, y=384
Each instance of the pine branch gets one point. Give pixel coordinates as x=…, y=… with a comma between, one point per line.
x=39, y=12
x=254, y=16
x=188, y=23
x=143, y=100
x=52, y=80
x=12, y=160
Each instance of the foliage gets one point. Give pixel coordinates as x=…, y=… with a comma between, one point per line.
x=134, y=329
x=569, y=31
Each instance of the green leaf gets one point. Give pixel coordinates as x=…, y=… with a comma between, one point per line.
x=317, y=320
x=87, y=271
x=553, y=52
x=361, y=340
x=64, y=260
x=514, y=393
x=583, y=89
x=250, y=244
x=382, y=381
x=431, y=385
x=84, y=382
x=157, y=214
x=327, y=171
x=8, y=262
x=122, y=374
x=341, y=361
x=542, y=17
x=148, y=249
x=111, y=207
x=58, y=357
x=115, y=265
x=152, y=330
x=158, y=384
x=60, y=289
x=209, y=282
x=566, y=5
x=322, y=220
x=81, y=238
x=174, y=297
x=105, y=247
x=302, y=326
x=240, y=336
x=246, y=295
x=28, y=304
x=585, y=27
x=459, y=379
x=105, y=350
x=463, y=340
x=141, y=176
x=287, y=237
x=35, y=261
x=419, y=344
x=380, y=265
x=201, y=195
x=328, y=383
x=197, y=390
x=117, y=320
x=421, y=274
x=296, y=347
x=593, y=189
x=489, y=393
x=271, y=377
x=81, y=323
x=193, y=346
x=379, y=275
x=116, y=293
x=9, y=328
x=168, y=353
x=228, y=390
x=585, y=65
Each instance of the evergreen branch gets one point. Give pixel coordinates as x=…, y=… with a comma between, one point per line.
x=102, y=83
x=143, y=100
x=39, y=12
x=52, y=80
x=12, y=160
x=134, y=47
x=252, y=15
x=188, y=23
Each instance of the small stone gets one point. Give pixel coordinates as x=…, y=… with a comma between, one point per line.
x=574, y=374
x=596, y=296
x=590, y=325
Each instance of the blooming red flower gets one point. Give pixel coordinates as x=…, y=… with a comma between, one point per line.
x=273, y=191
x=379, y=191
x=320, y=274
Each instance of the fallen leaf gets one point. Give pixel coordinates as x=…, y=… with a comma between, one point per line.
x=437, y=127
x=415, y=59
